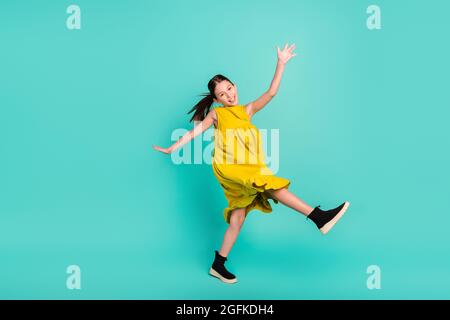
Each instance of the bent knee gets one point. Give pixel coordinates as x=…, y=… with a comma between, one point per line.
x=275, y=192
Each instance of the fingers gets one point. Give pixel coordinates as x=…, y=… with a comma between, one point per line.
x=291, y=48
x=159, y=148
x=286, y=48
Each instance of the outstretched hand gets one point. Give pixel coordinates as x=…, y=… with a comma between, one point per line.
x=163, y=150
x=286, y=54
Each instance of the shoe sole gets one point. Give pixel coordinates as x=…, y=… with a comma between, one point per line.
x=326, y=228
x=214, y=273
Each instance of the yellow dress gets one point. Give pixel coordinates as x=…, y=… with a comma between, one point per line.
x=239, y=163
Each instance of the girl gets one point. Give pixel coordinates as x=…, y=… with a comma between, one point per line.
x=247, y=184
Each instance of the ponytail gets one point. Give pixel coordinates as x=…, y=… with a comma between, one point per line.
x=202, y=107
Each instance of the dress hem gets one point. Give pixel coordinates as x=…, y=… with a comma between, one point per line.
x=259, y=202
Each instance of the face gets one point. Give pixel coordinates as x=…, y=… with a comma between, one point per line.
x=226, y=93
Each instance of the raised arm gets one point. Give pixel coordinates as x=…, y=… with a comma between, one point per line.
x=191, y=134
x=283, y=57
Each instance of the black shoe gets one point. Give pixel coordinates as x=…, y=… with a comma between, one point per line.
x=218, y=269
x=325, y=220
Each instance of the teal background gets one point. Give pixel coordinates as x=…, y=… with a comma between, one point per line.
x=363, y=116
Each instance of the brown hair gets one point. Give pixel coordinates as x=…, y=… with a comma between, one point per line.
x=202, y=107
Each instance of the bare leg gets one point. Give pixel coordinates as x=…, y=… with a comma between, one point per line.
x=236, y=222
x=291, y=200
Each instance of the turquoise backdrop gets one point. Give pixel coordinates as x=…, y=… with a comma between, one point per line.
x=362, y=115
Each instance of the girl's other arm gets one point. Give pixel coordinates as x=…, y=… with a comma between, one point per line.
x=283, y=57
x=191, y=134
